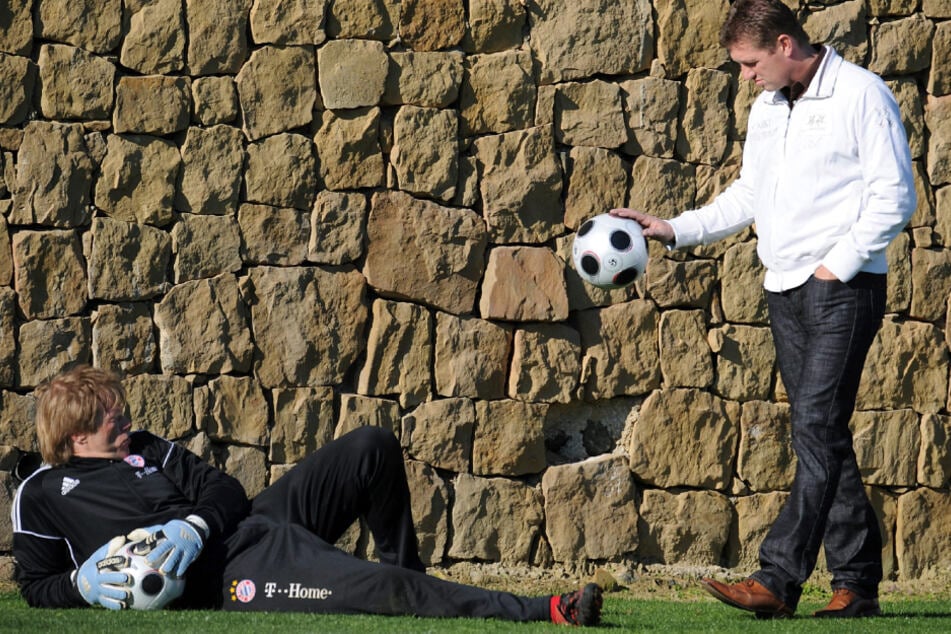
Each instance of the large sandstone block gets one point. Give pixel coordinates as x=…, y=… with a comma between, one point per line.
x=471, y=356
x=8, y=345
x=358, y=411
x=337, y=227
x=688, y=35
x=205, y=246
x=923, y=533
x=425, y=79
x=674, y=284
x=368, y=19
x=127, y=261
x=399, y=348
x=692, y=527
x=589, y=113
x=887, y=446
x=509, y=438
x=358, y=130
x=520, y=185
x=755, y=515
x=685, y=438
x=17, y=416
x=429, y=25
x=439, y=433
x=934, y=459
x=651, y=105
x=597, y=181
x=152, y=104
x=891, y=7
x=95, y=25
x=161, y=404
x=123, y=339
x=685, y=355
x=326, y=307
x=47, y=346
x=439, y=251
x=495, y=519
x=936, y=8
x=741, y=296
x=273, y=235
x=906, y=365
x=288, y=21
x=74, y=84
x=899, y=277
x=662, y=187
x=303, y=422
x=17, y=80
x=217, y=29
x=430, y=501
x=912, y=112
x=939, y=81
x=212, y=161
x=901, y=46
x=607, y=526
x=497, y=94
x=712, y=180
x=425, y=153
x=766, y=461
x=620, y=345
x=745, y=358
x=281, y=170
x=155, y=41
x=49, y=273
x=17, y=34
x=215, y=100
x=574, y=40
x=53, y=175
x=495, y=25
x=546, y=364
x=221, y=345
x=277, y=90
x=352, y=73
x=145, y=194
x=704, y=117
x=6, y=254
x=841, y=26
x=524, y=284
x=924, y=216
x=232, y=409
x=938, y=121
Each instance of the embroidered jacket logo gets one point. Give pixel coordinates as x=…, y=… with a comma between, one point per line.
x=296, y=591
x=68, y=485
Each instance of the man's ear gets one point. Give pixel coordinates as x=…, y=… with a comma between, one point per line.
x=78, y=439
x=785, y=45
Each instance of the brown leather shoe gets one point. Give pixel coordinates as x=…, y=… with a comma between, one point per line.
x=750, y=595
x=848, y=604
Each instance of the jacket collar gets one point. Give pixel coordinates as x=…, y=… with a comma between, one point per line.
x=822, y=84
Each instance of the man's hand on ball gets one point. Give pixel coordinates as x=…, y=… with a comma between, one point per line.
x=654, y=227
x=107, y=588
x=180, y=544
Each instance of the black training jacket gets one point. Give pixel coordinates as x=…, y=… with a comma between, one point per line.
x=61, y=515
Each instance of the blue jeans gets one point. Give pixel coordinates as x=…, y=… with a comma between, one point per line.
x=822, y=331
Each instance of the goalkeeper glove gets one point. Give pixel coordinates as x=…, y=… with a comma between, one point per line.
x=179, y=545
x=107, y=588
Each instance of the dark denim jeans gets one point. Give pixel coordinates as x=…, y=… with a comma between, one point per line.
x=822, y=331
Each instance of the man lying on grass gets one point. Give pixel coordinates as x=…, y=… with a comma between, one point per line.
x=102, y=481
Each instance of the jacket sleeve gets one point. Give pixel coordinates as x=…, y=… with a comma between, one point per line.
x=217, y=498
x=889, y=199
x=44, y=568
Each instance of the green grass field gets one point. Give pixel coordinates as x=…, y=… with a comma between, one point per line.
x=622, y=613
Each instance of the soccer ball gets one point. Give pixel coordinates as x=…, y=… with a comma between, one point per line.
x=609, y=251
x=151, y=589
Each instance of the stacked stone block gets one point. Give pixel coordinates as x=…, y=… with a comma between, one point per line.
x=280, y=220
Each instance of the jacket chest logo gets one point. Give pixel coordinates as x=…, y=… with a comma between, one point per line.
x=68, y=485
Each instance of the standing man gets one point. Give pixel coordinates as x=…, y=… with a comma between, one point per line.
x=827, y=180
x=273, y=553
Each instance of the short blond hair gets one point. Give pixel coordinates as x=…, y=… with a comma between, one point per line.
x=73, y=402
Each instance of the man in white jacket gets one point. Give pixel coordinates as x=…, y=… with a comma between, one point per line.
x=827, y=180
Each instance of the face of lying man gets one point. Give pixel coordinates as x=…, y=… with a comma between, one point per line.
x=110, y=440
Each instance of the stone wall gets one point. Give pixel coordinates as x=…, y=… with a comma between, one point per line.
x=282, y=219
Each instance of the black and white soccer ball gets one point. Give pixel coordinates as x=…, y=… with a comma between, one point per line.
x=609, y=251
x=150, y=588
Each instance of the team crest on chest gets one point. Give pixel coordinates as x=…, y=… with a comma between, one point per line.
x=135, y=460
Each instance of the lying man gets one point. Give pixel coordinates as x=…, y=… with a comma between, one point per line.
x=102, y=480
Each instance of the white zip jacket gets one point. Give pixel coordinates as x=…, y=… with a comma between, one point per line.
x=828, y=182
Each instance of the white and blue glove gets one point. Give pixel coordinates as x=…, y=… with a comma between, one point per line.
x=107, y=588
x=179, y=545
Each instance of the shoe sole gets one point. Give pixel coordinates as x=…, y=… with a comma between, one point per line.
x=859, y=609
x=760, y=614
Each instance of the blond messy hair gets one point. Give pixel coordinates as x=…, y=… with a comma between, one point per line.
x=73, y=402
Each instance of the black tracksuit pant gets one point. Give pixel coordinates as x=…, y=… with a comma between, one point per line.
x=281, y=558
